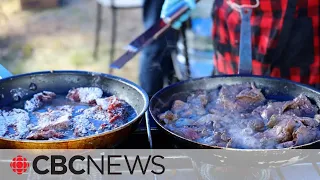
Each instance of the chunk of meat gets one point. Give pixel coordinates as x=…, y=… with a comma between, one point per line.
x=224, y=137
x=247, y=131
x=275, y=119
x=212, y=108
x=179, y=106
x=308, y=121
x=3, y=125
x=227, y=95
x=240, y=97
x=205, y=131
x=285, y=145
x=65, y=109
x=45, y=135
x=85, y=94
x=213, y=138
x=246, y=142
x=200, y=111
x=241, y=138
x=188, y=133
x=57, y=119
x=286, y=127
x=213, y=95
x=252, y=95
x=265, y=141
x=81, y=125
x=106, y=103
x=283, y=129
x=53, y=114
x=300, y=106
x=107, y=109
x=185, y=132
x=114, y=117
x=207, y=140
x=256, y=123
x=96, y=113
x=39, y=100
x=117, y=110
x=192, y=112
x=304, y=135
x=199, y=99
x=106, y=126
x=168, y=115
x=274, y=108
x=21, y=129
x=19, y=119
x=183, y=122
x=318, y=135
x=61, y=123
x=219, y=139
x=207, y=119
x=187, y=110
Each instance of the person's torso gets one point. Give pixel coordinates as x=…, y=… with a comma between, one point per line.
x=285, y=39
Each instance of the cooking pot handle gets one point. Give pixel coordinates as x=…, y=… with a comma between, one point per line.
x=4, y=73
x=245, y=64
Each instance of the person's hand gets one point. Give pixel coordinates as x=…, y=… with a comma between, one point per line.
x=169, y=5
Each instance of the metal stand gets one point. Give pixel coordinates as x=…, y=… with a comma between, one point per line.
x=97, y=32
x=185, y=49
x=182, y=75
x=113, y=33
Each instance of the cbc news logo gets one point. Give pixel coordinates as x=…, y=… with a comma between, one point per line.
x=19, y=165
x=60, y=165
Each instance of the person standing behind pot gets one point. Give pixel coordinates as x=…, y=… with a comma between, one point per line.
x=156, y=64
x=285, y=37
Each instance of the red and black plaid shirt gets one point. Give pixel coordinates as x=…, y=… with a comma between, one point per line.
x=285, y=39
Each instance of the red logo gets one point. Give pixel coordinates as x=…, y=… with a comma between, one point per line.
x=19, y=165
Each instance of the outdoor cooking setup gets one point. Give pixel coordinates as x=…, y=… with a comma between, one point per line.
x=19, y=88
x=146, y=131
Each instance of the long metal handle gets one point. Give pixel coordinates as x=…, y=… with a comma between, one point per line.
x=245, y=64
x=4, y=73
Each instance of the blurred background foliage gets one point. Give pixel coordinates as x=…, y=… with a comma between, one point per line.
x=62, y=38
